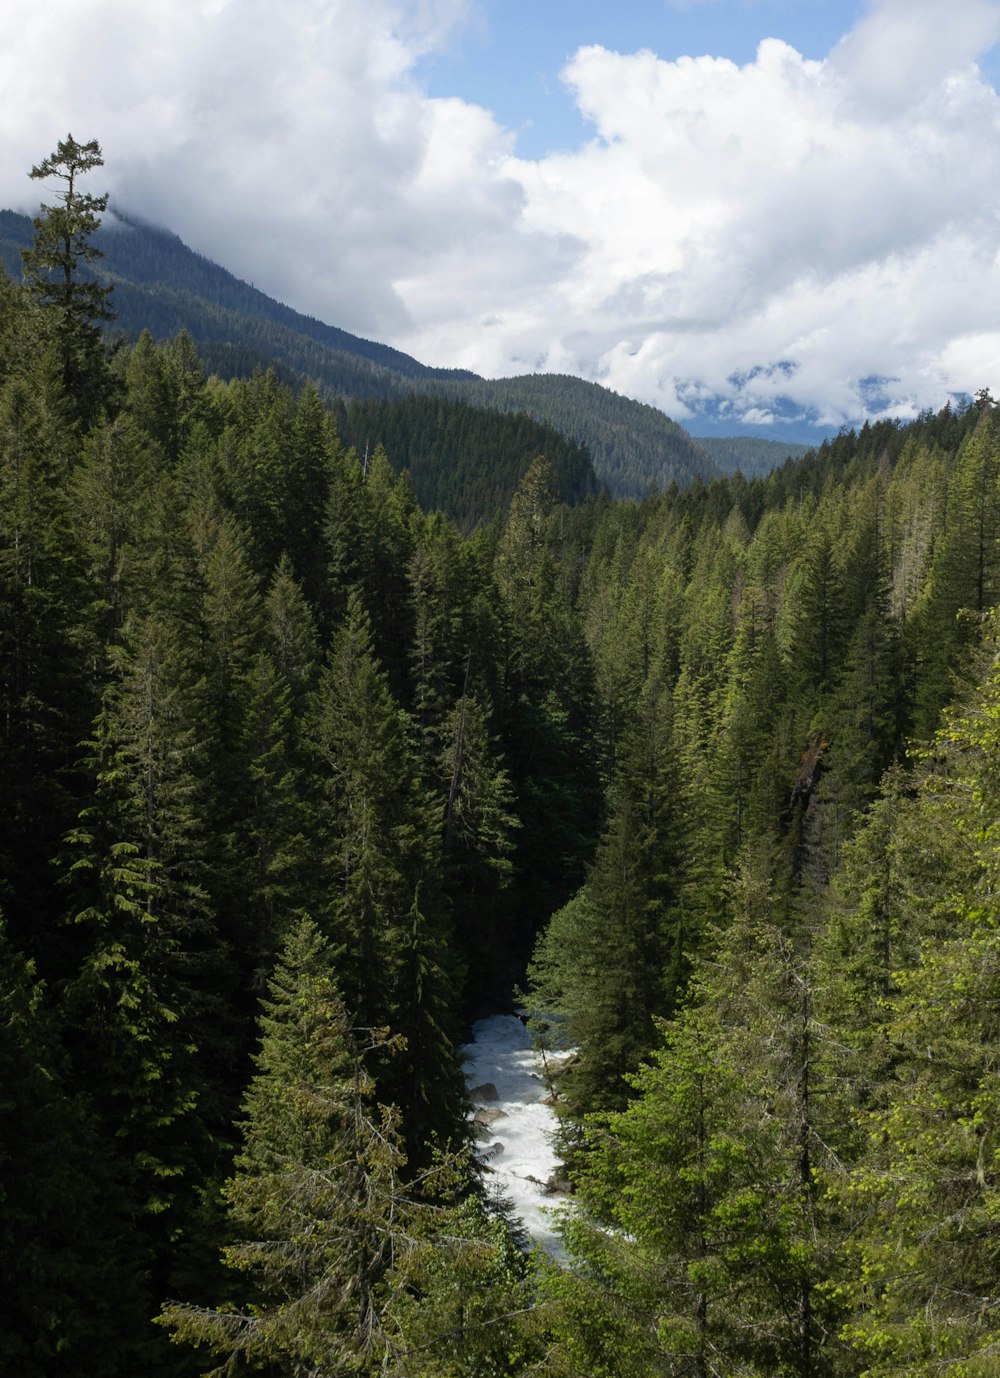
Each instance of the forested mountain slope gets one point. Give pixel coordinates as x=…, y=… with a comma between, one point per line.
x=162, y=286
x=635, y=446
x=751, y=454
x=465, y=461
x=295, y=777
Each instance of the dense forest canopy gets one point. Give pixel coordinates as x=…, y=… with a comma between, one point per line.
x=297, y=777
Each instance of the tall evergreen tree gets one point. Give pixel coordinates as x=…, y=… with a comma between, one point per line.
x=317, y=1202
x=379, y=834
x=479, y=830
x=151, y=1037
x=47, y=689
x=616, y=956
x=927, y=1297
x=72, y=1303
x=55, y=269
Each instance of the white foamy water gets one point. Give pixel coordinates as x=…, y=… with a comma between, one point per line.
x=501, y=1053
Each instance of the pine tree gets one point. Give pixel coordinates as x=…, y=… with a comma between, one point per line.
x=670, y=1223
x=546, y=705
x=928, y=1185
x=290, y=636
x=72, y=1303
x=53, y=265
x=379, y=835
x=111, y=489
x=617, y=955
x=479, y=830
x=274, y=880
x=963, y=580
x=704, y=1239
x=150, y=1036
x=465, y=1310
x=317, y=1203
x=47, y=690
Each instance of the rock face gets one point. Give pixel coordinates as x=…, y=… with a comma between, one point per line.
x=483, y=1095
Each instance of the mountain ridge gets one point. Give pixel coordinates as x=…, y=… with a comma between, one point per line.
x=163, y=285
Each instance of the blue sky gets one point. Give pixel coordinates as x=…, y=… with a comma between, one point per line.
x=751, y=213
x=510, y=55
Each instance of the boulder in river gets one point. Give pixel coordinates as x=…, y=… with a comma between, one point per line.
x=486, y=1115
x=485, y=1093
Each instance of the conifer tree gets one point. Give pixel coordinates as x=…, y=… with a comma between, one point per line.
x=47, y=691
x=146, y=1001
x=379, y=835
x=669, y=1224
x=546, y=695
x=617, y=955
x=270, y=842
x=56, y=272
x=964, y=578
x=312, y=451
x=478, y=844
x=290, y=634
x=453, y=625
x=72, y=1302
x=317, y=1203
x=110, y=489
x=927, y=1296
x=252, y=450
x=704, y=1241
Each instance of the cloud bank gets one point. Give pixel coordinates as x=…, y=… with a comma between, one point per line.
x=789, y=237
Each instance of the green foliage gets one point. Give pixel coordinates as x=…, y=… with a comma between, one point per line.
x=317, y=1200
x=145, y=995
x=162, y=286
x=345, y=1267
x=469, y=1293
x=464, y=460
x=54, y=270
x=64, y=1248
x=635, y=447
x=750, y=454
x=480, y=828
x=613, y=959
x=927, y=1186
x=378, y=831
x=250, y=695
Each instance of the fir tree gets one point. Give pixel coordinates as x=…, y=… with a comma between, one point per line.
x=72, y=1301
x=53, y=265
x=316, y=1203
x=379, y=832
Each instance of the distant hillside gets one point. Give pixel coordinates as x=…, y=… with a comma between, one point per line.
x=163, y=286
x=634, y=446
x=750, y=454
x=464, y=460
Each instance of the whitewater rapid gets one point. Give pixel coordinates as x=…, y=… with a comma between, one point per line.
x=517, y=1145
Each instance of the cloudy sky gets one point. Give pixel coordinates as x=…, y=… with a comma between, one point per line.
x=743, y=209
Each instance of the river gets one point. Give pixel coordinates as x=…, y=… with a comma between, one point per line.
x=517, y=1148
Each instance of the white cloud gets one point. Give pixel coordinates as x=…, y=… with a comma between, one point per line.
x=737, y=220
x=903, y=47
x=781, y=230
x=289, y=142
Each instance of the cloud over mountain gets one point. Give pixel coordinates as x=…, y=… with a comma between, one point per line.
x=776, y=235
